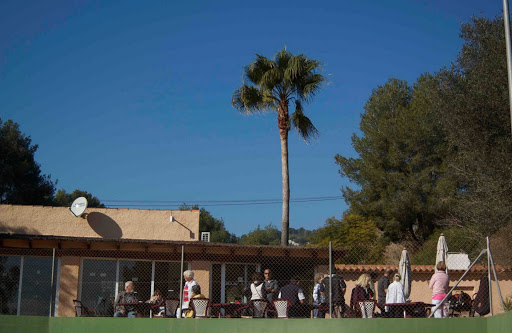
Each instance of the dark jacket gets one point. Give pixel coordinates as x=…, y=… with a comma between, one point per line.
x=291, y=293
x=124, y=297
x=359, y=294
x=338, y=289
x=275, y=286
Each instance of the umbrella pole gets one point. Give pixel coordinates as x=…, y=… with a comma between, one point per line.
x=489, y=274
x=497, y=282
x=456, y=284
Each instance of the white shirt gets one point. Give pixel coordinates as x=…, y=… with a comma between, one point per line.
x=188, y=286
x=395, y=293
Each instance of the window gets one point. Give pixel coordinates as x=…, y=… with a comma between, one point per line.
x=140, y=273
x=9, y=284
x=36, y=286
x=100, y=277
x=99, y=285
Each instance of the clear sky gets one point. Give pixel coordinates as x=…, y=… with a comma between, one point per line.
x=130, y=100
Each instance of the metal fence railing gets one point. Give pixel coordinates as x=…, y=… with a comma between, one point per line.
x=255, y=281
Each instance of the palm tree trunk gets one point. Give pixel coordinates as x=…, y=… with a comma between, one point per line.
x=286, y=188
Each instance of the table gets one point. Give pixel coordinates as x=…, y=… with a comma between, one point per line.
x=404, y=310
x=229, y=309
x=142, y=308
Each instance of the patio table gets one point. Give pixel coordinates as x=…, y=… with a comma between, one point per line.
x=142, y=308
x=411, y=310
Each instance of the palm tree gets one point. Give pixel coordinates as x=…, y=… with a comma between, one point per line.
x=271, y=86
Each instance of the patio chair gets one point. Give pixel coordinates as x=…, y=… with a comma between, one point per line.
x=367, y=308
x=171, y=305
x=200, y=307
x=82, y=311
x=259, y=308
x=282, y=307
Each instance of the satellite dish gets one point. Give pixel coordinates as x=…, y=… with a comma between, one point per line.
x=78, y=206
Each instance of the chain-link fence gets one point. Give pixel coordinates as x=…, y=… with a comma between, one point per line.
x=222, y=280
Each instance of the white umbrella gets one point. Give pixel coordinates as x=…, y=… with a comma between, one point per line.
x=404, y=267
x=442, y=250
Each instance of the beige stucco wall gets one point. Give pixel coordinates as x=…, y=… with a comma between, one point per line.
x=201, y=271
x=101, y=223
x=68, y=285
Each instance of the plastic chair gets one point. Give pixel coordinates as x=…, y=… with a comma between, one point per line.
x=367, y=308
x=171, y=305
x=259, y=308
x=82, y=311
x=282, y=307
x=200, y=307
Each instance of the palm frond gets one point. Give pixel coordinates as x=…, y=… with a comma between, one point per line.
x=255, y=71
x=249, y=99
x=281, y=59
x=303, y=124
x=310, y=86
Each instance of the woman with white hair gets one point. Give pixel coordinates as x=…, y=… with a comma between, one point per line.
x=187, y=289
x=395, y=293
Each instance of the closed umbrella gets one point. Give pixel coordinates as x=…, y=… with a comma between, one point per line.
x=442, y=250
x=404, y=267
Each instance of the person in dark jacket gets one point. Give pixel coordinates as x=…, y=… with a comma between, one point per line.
x=339, y=288
x=126, y=296
x=271, y=285
x=361, y=292
x=295, y=295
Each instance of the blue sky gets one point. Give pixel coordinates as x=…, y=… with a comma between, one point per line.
x=130, y=100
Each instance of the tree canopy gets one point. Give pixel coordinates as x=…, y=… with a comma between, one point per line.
x=209, y=223
x=62, y=198
x=437, y=155
x=21, y=179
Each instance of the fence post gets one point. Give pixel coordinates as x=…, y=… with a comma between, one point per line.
x=489, y=274
x=330, y=280
x=51, y=284
x=181, y=280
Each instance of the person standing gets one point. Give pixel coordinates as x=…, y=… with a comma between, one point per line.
x=361, y=292
x=382, y=286
x=439, y=285
x=295, y=295
x=395, y=294
x=126, y=296
x=271, y=286
x=187, y=289
x=318, y=296
x=339, y=288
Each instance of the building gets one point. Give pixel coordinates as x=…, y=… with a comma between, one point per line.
x=48, y=258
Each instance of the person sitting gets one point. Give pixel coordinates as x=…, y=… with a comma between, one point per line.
x=157, y=299
x=362, y=291
x=126, y=296
x=295, y=295
x=196, y=293
x=395, y=294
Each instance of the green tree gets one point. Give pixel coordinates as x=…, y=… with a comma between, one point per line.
x=21, y=180
x=271, y=85
x=269, y=235
x=356, y=234
x=64, y=199
x=209, y=223
x=475, y=106
x=401, y=164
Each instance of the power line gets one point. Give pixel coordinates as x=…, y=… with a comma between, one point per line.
x=219, y=201
x=210, y=203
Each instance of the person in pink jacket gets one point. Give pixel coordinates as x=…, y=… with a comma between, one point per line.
x=439, y=285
